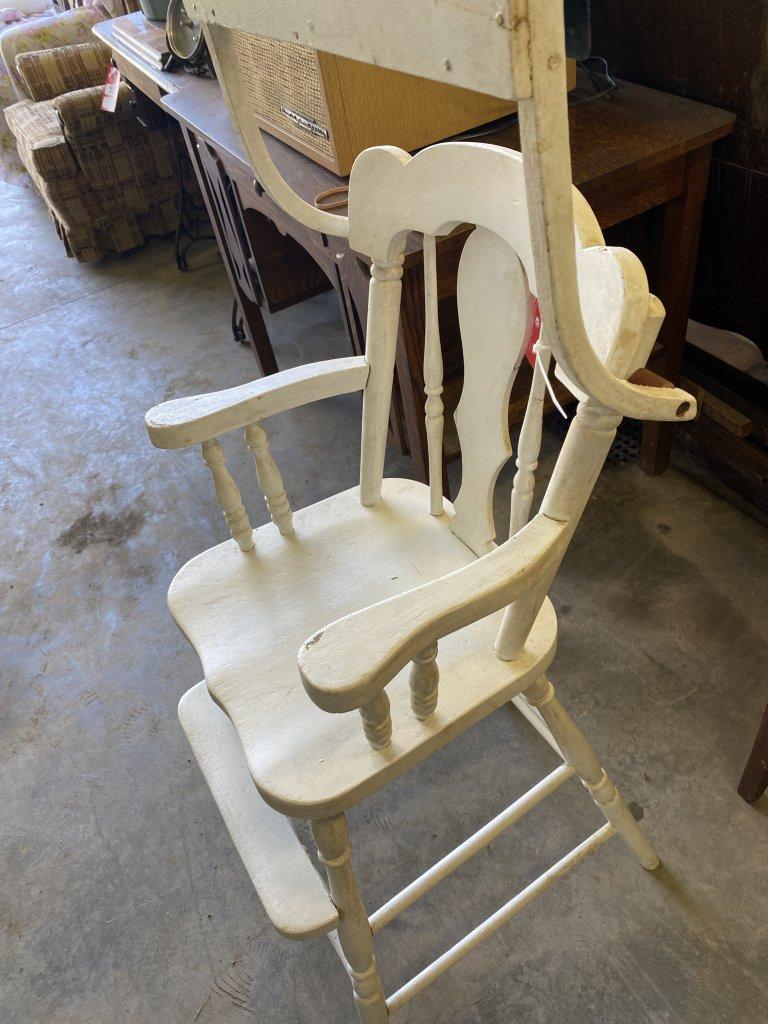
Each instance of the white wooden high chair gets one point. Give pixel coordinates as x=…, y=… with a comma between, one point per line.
x=361, y=588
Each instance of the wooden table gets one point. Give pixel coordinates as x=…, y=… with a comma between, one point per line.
x=641, y=158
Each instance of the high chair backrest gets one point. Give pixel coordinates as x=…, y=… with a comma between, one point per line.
x=391, y=194
x=534, y=236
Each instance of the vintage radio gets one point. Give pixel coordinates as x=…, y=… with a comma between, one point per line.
x=332, y=108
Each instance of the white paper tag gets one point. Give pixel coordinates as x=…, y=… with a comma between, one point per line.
x=111, y=87
x=548, y=385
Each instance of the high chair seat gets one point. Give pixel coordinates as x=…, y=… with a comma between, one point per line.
x=247, y=614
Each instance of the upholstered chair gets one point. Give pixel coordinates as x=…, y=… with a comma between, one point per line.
x=109, y=182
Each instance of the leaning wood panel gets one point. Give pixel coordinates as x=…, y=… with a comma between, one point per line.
x=469, y=44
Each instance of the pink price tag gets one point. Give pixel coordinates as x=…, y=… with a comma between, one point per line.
x=111, y=87
x=530, y=355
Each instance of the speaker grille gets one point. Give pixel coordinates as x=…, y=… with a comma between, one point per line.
x=282, y=77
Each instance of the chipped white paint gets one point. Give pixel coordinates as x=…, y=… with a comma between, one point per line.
x=468, y=44
x=493, y=338
x=291, y=891
x=585, y=762
x=354, y=933
x=185, y=421
x=390, y=572
x=380, y=345
x=377, y=721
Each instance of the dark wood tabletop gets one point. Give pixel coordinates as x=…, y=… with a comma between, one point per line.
x=614, y=138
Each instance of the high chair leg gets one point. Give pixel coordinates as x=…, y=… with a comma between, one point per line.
x=354, y=932
x=578, y=752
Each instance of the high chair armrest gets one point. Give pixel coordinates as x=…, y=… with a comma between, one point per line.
x=346, y=664
x=186, y=421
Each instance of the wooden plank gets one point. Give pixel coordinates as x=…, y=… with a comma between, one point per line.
x=739, y=462
x=467, y=44
x=741, y=391
x=716, y=409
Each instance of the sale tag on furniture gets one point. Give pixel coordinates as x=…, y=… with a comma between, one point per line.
x=111, y=86
x=530, y=355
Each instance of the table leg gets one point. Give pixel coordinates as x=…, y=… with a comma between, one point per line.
x=233, y=247
x=754, y=781
x=677, y=265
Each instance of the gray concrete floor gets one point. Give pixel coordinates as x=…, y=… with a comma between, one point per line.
x=121, y=898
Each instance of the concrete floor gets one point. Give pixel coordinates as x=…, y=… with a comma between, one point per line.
x=121, y=897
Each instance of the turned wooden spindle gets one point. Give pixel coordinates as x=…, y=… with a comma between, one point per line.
x=377, y=722
x=424, y=679
x=382, y=327
x=270, y=480
x=228, y=495
x=332, y=838
x=580, y=755
x=529, y=447
x=433, y=379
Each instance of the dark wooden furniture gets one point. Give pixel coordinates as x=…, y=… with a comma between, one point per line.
x=685, y=48
x=682, y=47
x=754, y=781
x=262, y=265
x=635, y=152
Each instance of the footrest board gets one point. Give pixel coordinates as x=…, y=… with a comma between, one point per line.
x=290, y=889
